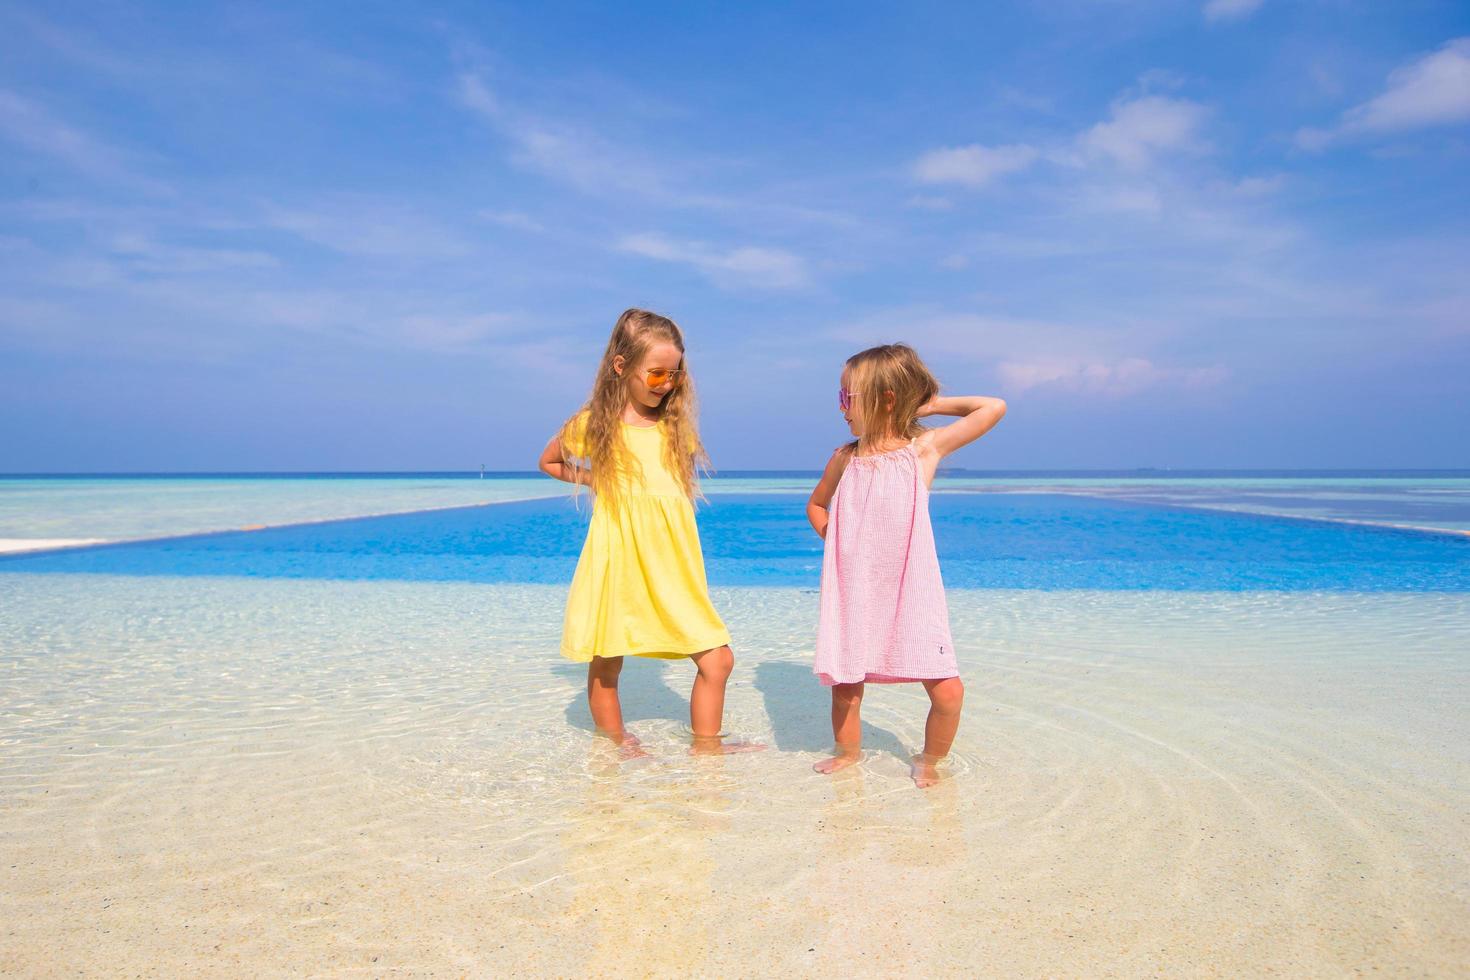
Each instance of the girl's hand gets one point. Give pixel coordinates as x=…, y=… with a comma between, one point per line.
x=553, y=465
x=978, y=415
x=928, y=408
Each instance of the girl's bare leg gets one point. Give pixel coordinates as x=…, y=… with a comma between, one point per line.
x=707, y=702
x=946, y=697
x=847, y=728
x=602, y=699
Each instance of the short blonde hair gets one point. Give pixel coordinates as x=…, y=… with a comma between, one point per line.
x=895, y=368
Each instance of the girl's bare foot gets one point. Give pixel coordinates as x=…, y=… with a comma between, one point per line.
x=634, y=751
x=714, y=745
x=629, y=747
x=925, y=770
x=841, y=759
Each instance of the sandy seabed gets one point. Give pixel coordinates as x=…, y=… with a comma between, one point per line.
x=234, y=776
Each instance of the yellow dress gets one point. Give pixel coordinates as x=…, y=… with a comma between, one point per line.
x=639, y=589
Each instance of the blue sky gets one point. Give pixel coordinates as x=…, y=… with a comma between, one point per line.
x=1188, y=233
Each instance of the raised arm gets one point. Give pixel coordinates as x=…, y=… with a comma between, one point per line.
x=978, y=415
x=552, y=464
x=821, y=498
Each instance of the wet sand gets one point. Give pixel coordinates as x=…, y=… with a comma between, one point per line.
x=226, y=776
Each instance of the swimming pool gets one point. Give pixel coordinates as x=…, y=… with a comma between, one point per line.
x=986, y=541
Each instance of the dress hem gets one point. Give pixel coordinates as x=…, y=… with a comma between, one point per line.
x=579, y=656
x=873, y=678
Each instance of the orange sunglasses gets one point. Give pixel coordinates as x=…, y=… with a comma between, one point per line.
x=657, y=376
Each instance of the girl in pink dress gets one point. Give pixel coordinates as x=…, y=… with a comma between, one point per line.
x=883, y=614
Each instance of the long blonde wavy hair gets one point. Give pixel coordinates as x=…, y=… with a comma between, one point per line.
x=635, y=333
x=871, y=374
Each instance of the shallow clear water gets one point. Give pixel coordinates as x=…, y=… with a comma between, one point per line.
x=317, y=776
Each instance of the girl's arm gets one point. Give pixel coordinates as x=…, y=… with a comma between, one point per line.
x=978, y=415
x=552, y=464
x=816, y=507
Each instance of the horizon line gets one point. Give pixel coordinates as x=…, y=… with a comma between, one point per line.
x=726, y=474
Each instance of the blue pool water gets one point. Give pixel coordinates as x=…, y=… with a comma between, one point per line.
x=1018, y=541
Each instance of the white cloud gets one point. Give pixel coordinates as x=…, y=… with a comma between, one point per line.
x=1432, y=91
x=1216, y=10
x=72, y=47
x=514, y=219
x=1121, y=378
x=582, y=156
x=144, y=254
x=356, y=225
x=130, y=293
x=1137, y=134
x=963, y=335
x=761, y=268
x=31, y=126
x=1313, y=139
x=439, y=331
x=476, y=95
x=1141, y=129
x=1435, y=89
x=974, y=165
x=386, y=319
x=1027, y=247
x=576, y=155
x=1125, y=199
x=1104, y=357
x=565, y=152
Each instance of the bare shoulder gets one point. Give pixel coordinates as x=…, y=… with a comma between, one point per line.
x=826, y=487
x=841, y=456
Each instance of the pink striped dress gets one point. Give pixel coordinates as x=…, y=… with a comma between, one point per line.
x=884, y=618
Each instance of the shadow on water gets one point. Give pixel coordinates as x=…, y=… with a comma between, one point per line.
x=643, y=689
x=799, y=709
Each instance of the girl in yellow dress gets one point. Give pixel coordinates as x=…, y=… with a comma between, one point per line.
x=639, y=589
